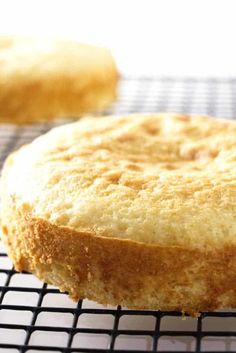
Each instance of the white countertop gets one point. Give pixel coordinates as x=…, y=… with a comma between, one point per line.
x=146, y=36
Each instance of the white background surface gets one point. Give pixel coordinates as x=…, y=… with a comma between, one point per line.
x=170, y=37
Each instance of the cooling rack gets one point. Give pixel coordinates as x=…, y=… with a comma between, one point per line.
x=35, y=317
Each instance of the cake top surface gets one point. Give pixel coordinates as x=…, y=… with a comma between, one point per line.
x=164, y=179
x=38, y=56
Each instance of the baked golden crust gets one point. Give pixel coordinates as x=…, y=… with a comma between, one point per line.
x=134, y=210
x=42, y=79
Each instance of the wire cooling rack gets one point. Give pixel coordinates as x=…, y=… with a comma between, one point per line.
x=35, y=317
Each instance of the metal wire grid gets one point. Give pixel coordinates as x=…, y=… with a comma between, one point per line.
x=201, y=96
x=35, y=317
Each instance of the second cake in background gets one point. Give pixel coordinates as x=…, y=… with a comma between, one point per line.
x=44, y=79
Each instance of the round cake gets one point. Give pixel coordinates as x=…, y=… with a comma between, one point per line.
x=44, y=79
x=135, y=210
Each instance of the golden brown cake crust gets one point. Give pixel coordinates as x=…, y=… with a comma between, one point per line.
x=170, y=242
x=45, y=79
x=115, y=271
